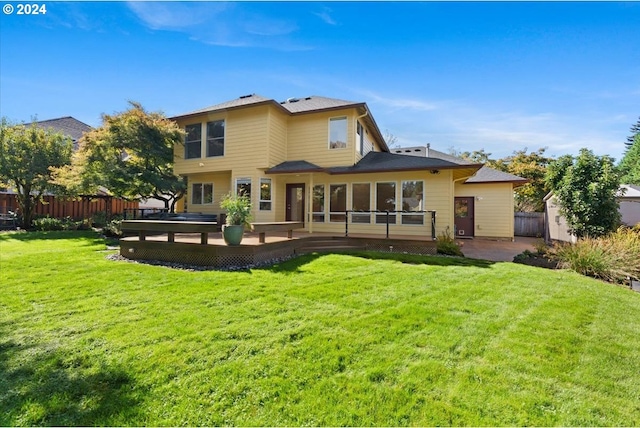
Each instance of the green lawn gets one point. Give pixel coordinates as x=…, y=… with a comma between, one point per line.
x=360, y=339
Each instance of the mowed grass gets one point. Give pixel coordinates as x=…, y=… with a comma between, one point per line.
x=361, y=339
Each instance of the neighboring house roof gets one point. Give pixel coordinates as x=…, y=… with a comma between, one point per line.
x=631, y=191
x=68, y=126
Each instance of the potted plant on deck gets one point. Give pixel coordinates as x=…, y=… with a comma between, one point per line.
x=238, y=208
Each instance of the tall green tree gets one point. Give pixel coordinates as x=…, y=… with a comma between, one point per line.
x=131, y=155
x=630, y=163
x=532, y=166
x=635, y=131
x=586, y=187
x=27, y=155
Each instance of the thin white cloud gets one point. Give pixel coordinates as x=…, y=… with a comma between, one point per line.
x=400, y=103
x=220, y=24
x=325, y=16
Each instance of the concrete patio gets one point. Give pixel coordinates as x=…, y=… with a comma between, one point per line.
x=496, y=250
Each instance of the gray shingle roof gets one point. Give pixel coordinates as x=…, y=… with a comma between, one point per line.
x=315, y=103
x=490, y=175
x=243, y=101
x=484, y=174
x=294, y=166
x=68, y=126
x=291, y=105
x=387, y=162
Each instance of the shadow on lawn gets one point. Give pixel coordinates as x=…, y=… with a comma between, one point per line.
x=294, y=265
x=90, y=236
x=47, y=387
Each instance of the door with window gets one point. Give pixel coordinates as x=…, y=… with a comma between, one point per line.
x=295, y=202
x=463, y=217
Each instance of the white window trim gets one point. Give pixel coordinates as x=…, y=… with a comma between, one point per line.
x=324, y=204
x=239, y=179
x=202, y=184
x=270, y=200
x=370, y=200
x=409, y=213
x=346, y=201
x=346, y=136
x=375, y=192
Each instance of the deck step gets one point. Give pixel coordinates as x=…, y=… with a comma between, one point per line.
x=329, y=245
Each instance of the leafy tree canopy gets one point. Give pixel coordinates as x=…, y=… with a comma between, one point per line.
x=131, y=155
x=27, y=156
x=532, y=166
x=586, y=187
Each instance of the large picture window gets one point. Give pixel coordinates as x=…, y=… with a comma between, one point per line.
x=386, y=201
x=338, y=133
x=337, y=202
x=318, y=203
x=361, y=196
x=215, y=138
x=193, y=141
x=412, y=200
x=201, y=193
x=265, y=194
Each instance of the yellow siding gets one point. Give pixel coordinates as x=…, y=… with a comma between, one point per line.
x=308, y=139
x=493, y=208
x=221, y=186
x=245, y=142
x=277, y=135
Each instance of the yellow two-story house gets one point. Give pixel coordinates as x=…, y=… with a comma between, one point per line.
x=324, y=162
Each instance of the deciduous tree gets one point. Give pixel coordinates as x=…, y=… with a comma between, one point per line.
x=27, y=155
x=532, y=166
x=586, y=187
x=131, y=155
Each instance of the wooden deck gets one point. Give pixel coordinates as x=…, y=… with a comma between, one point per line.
x=187, y=248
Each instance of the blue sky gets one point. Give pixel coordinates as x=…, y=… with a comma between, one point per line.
x=499, y=76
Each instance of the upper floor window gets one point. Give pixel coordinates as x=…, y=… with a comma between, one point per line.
x=193, y=141
x=215, y=138
x=338, y=133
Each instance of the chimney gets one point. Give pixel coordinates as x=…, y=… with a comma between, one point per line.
x=428, y=146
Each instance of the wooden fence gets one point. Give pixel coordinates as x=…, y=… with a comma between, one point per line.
x=77, y=209
x=529, y=224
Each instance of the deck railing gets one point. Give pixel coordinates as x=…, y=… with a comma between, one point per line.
x=386, y=215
